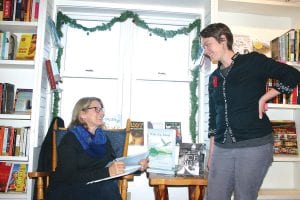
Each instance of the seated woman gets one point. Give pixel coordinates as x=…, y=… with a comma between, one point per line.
x=83, y=155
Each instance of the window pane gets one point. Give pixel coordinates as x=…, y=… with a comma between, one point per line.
x=105, y=89
x=94, y=53
x=156, y=57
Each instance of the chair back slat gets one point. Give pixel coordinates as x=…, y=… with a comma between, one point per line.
x=119, y=139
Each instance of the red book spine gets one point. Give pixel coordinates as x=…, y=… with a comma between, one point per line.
x=50, y=75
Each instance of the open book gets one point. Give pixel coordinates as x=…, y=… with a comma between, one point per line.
x=131, y=166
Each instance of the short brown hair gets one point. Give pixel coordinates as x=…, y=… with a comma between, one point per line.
x=216, y=30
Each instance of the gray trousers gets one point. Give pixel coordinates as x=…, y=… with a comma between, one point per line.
x=238, y=171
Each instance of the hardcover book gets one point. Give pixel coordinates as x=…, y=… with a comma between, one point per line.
x=136, y=136
x=285, y=137
x=162, y=150
x=191, y=159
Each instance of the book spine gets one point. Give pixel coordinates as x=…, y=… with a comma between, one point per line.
x=50, y=75
x=6, y=135
x=1, y=138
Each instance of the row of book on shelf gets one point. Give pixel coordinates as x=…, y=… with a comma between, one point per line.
x=292, y=98
x=19, y=10
x=287, y=46
x=17, y=46
x=11, y=101
x=13, y=177
x=14, y=141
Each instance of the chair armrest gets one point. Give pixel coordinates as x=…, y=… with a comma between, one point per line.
x=38, y=174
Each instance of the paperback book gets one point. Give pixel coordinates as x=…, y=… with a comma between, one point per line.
x=18, y=178
x=131, y=165
x=136, y=136
x=162, y=150
x=191, y=159
x=23, y=101
x=177, y=127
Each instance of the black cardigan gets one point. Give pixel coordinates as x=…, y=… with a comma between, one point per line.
x=243, y=87
x=76, y=166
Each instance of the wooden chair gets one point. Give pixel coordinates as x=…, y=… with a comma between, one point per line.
x=119, y=139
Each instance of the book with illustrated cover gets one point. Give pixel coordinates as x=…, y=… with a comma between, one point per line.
x=162, y=151
x=5, y=170
x=285, y=137
x=18, y=178
x=27, y=47
x=136, y=136
x=23, y=101
x=177, y=127
x=191, y=159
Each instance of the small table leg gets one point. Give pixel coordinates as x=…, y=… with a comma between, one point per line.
x=161, y=192
x=195, y=192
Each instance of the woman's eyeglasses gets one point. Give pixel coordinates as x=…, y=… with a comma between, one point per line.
x=97, y=109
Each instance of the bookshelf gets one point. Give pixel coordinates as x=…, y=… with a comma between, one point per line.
x=29, y=74
x=263, y=21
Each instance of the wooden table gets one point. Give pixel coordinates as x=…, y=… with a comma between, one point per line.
x=196, y=185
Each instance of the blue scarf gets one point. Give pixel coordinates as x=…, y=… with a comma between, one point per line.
x=94, y=145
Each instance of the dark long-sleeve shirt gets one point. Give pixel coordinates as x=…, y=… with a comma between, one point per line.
x=76, y=166
x=233, y=100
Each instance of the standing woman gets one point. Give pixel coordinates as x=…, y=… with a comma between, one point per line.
x=241, y=140
x=83, y=155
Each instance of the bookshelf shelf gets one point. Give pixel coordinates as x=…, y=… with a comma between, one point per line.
x=279, y=194
x=19, y=26
x=23, y=64
x=286, y=158
x=14, y=158
x=283, y=106
x=13, y=196
x=16, y=116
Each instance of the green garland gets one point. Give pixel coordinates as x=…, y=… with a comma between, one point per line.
x=65, y=20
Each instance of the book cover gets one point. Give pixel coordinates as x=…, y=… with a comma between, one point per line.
x=5, y=170
x=50, y=74
x=18, y=178
x=285, y=137
x=23, y=100
x=162, y=149
x=191, y=159
x=136, y=136
x=177, y=127
x=1, y=138
x=27, y=47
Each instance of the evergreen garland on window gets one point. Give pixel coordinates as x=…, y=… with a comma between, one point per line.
x=166, y=34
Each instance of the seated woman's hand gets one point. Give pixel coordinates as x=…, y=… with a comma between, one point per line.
x=116, y=168
x=144, y=164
